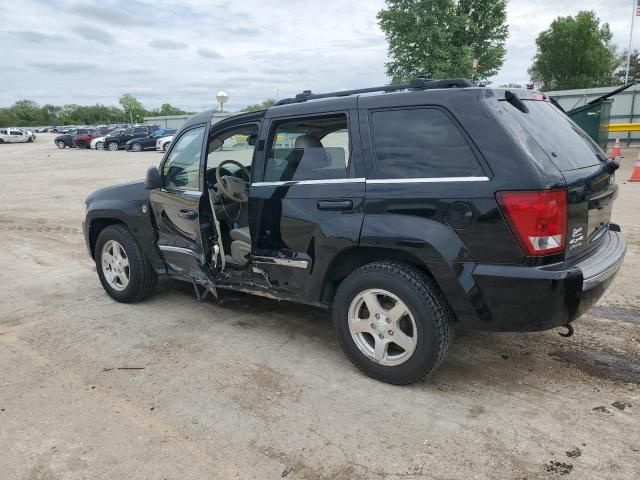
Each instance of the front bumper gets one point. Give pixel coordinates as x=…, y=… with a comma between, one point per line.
x=514, y=298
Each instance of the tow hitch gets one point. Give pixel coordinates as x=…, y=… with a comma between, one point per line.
x=569, y=331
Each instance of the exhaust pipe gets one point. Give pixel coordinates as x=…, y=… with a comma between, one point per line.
x=569, y=331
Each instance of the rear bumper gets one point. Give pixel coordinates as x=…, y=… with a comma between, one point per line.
x=528, y=299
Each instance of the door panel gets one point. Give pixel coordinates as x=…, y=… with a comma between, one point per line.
x=176, y=205
x=304, y=219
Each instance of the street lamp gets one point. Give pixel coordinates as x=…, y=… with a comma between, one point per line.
x=222, y=98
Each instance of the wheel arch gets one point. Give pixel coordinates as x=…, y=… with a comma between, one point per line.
x=96, y=226
x=455, y=280
x=353, y=258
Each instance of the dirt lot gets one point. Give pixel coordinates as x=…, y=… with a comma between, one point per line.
x=250, y=388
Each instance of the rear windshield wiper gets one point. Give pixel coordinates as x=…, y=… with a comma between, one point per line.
x=515, y=100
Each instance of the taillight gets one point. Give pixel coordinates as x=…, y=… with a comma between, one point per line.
x=539, y=219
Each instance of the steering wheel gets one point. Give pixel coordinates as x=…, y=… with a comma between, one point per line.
x=233, y=188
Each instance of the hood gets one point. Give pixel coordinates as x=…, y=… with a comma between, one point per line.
x=132, y=191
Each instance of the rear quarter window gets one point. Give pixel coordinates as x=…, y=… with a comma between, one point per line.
x=421, y=143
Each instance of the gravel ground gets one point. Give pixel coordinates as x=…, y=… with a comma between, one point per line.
x=246, y=387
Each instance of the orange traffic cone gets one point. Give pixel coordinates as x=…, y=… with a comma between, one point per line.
x=616, y=151
x=635, y=174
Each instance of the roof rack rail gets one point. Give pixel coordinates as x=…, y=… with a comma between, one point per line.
x=416, y=84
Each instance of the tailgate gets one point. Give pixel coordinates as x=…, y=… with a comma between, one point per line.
x=591, y=185
x=591, y=191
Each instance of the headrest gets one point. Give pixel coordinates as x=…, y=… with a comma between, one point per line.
x=307, y=141
x=252, y=139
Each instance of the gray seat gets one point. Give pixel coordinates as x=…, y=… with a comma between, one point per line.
x=240, y=245
x=241, y=234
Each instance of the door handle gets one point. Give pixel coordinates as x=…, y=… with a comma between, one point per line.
x=335, y=205
x=188, y=214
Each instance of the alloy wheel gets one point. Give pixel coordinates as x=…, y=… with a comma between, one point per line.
x=115, y=265
x=382, y=327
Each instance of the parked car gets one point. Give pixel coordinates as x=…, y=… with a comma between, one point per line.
x=405, y=211
x=148, y=142
x=83, y=140
x=120, y=140
x=162, y=144
x=15, y=135
x=66, y=139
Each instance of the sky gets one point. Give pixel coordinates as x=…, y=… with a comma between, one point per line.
x=184, y=51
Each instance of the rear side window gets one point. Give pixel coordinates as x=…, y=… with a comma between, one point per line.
x=564, y=142
x=314, y=148
x=421, y=143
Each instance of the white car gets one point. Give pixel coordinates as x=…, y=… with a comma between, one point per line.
x=29, y=132
x=15, y=135
x=97, y=143
x=163, y=143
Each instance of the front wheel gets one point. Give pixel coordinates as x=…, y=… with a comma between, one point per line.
x=136, y=147
x=393, y=322
x=81, y=144
x=125, y=272
x=112, y=147
x=60, y=144
x=100, y=146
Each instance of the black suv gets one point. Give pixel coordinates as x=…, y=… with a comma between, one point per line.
x=118, y=139
x=148, y=142
x=405, y=211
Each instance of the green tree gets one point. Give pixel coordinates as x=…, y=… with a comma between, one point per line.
x=444, y=38
x=133, y=108
x=269, y=102
x=168, y=109
x=634, y=67
x=575, y=52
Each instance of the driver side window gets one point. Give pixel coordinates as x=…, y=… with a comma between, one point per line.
x=181, y=171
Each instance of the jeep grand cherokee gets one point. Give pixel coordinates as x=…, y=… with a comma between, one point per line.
x=405, y=209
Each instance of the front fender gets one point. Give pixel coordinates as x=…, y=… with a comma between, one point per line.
x=103, y=212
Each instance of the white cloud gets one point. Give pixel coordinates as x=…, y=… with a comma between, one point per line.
x=183, y=52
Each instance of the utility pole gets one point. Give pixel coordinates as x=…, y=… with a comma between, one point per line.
x=635, y=11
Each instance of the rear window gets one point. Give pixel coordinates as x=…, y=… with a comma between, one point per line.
x=421, y=143
x=565, y=142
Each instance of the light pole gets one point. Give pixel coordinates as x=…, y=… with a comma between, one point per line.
x=222, y=98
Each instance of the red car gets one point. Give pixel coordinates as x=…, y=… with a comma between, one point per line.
x=84, y=140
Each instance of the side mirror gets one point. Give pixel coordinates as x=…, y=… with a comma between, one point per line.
x=153, y=178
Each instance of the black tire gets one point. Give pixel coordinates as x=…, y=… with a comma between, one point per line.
x=60, y=144
x=1, y=141
x=81, y=144
x=99, y=145
x=111, y=146
x=30, y=140
x=165, y=147
x=142, y=277
x=432, y=315
x=136, y=147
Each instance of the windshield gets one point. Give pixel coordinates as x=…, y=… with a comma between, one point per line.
x=564, y=142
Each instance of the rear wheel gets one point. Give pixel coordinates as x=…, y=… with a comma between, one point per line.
x=136, y=147
x=60, y=144
x=112, y=146
x=81, y=144
x=393, y=322
x=1, y=140
x=125, y=272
